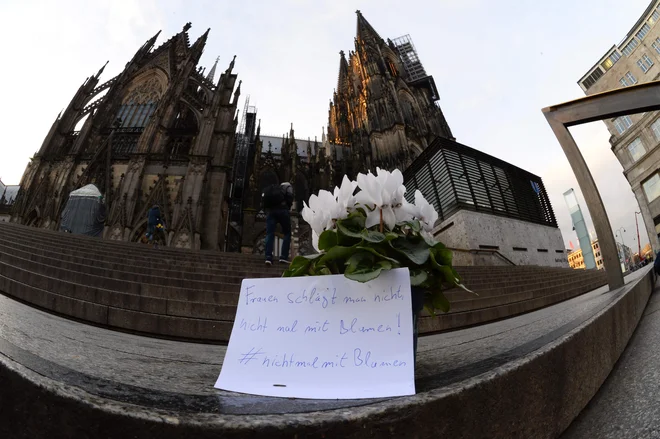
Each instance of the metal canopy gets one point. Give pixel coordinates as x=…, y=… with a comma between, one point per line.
x=628, y=100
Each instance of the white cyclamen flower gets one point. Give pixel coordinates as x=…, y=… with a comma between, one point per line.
x=425, y=212
x=326, y=208
x=382, y=194
x=315, y=241
x=344, y=196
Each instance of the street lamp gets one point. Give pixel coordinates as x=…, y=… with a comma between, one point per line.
x=623, y=247
x=639, y=244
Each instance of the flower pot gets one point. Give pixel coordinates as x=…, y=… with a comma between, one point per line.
x=417, y=306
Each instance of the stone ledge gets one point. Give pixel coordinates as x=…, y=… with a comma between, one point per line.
x=523, y=377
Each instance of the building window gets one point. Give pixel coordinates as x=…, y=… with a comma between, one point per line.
x=628, y=79
x=592, y=78
x=652, y=187
x=643, y=31
x=636, y=149
x=655, y=127
x=611, y=60
x=628, y=48
x=622, y=124
x=654, y=17
x=644, y=63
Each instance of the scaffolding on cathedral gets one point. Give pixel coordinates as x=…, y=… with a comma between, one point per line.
x=245, y=138
x=411, y=62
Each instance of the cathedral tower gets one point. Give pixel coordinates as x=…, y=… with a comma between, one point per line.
x=385, y=106
x=160, y=132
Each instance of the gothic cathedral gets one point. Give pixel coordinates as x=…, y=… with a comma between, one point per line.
x=161, y=132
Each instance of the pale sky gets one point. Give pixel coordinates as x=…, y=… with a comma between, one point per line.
x=496, y=65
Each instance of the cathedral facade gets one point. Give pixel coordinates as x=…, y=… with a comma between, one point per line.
x=161, y=132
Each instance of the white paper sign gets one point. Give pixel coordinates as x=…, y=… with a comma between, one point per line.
x=322, y=337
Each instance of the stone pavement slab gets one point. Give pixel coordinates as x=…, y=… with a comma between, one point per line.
x=627, y=406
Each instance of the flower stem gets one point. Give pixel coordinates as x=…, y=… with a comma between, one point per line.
x=381, y=220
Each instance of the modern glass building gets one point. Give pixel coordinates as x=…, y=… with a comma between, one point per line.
x=453, y=176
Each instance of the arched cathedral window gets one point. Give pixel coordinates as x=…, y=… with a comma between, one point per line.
x=137, y=107
x=140, y=104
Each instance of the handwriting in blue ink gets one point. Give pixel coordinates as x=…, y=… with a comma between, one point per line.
x=389, y=295
x=364, y=359
x=288, y=328
x=317, y=327
x=313, y=297
x=354, y=328
x=252, y=297
x=257, y=326
x=253, y=354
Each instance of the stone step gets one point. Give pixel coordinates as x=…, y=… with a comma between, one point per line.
x=127, y=250
x=86, y=298
x=484, y=288
x=160, y=325
x=473, y=280
x=120, y=246
x=472, y=317
x=133, y=271
x=134, y=283
x=493, y=300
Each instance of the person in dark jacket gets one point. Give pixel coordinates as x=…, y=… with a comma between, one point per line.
x=656, y=264
x=153, y=219
x=279, y=214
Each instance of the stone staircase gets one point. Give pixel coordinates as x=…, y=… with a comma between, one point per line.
x=192, y=295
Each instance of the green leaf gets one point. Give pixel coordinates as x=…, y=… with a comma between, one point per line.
x=311, y=257
x=415, y=225
x=378, y=254
x=327, y=240
x=463, y=287
x=417, y=252
x=440, y=301
x=430, y=241
x=417, y=277
x=349, y=228
x=335, y=253
x=298, y=267
x=364, y=275
x=359, y=259
x=443, y=256
x=385, y=265
x=390, y=236
x=373, y=236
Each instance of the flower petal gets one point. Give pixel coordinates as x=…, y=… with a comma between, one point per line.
x=389, y=218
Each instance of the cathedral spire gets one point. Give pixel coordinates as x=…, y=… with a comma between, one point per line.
x=146, y=47
x=212, y=71
x=198, y=47
x=342, y=79
x=364, y=30
x=98, y=75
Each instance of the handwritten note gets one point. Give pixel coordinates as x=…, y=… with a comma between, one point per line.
x=323, y=337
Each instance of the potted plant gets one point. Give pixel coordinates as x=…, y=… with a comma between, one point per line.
x=361, y=234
